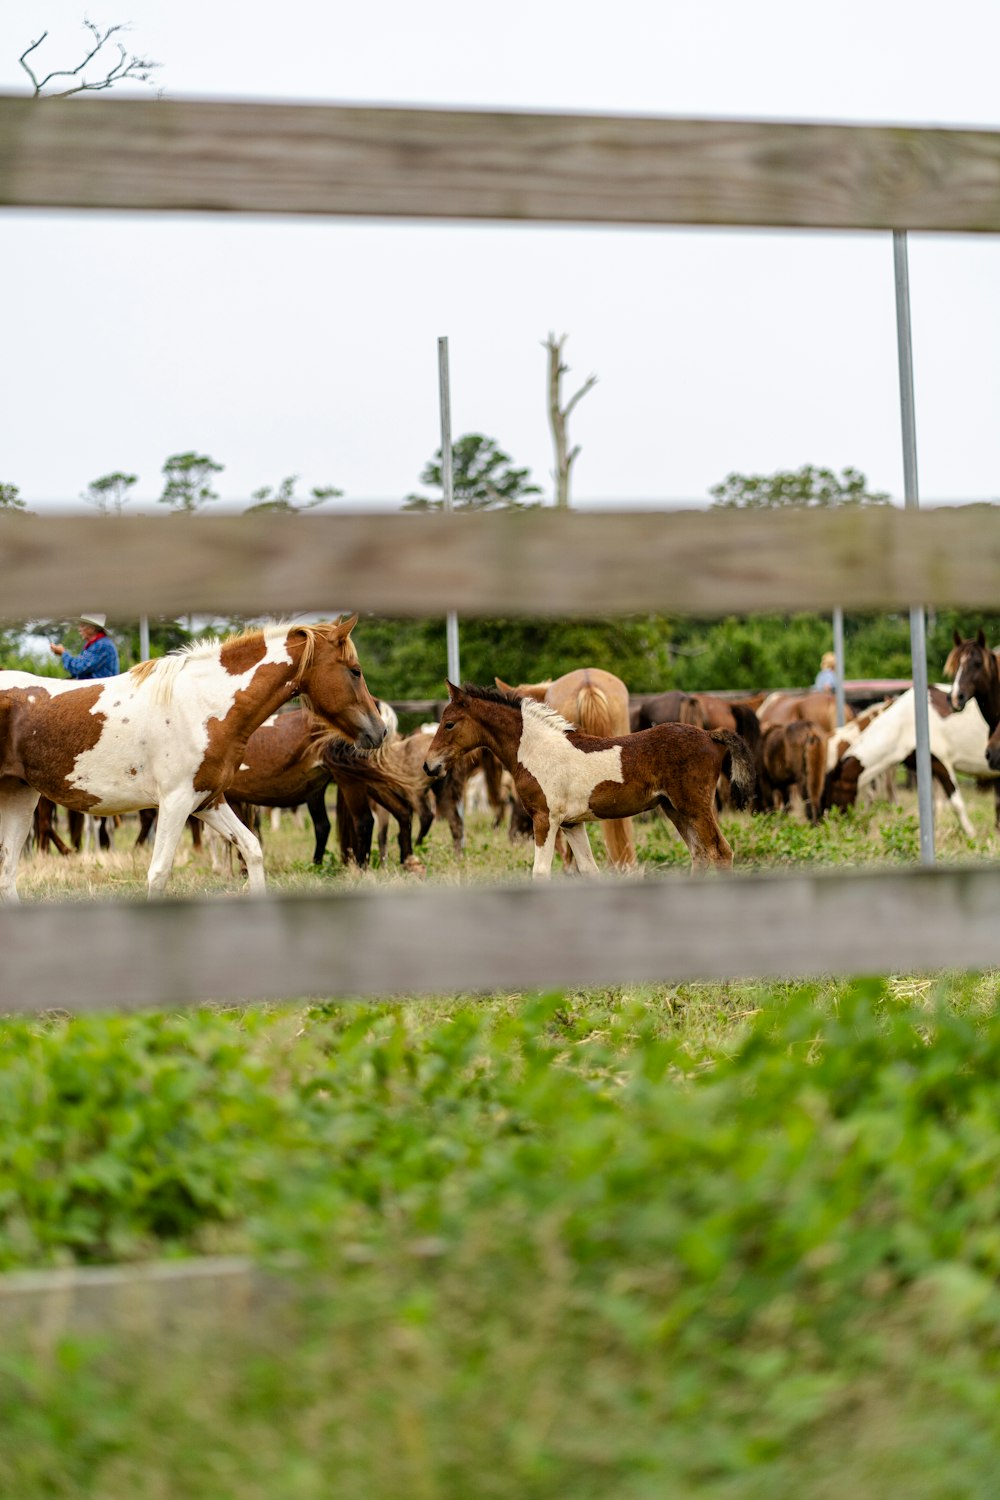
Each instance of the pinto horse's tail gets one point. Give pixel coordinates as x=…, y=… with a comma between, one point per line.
x=737, y=764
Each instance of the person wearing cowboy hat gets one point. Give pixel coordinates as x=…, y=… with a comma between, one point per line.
x=99, y=657
x=826, y=677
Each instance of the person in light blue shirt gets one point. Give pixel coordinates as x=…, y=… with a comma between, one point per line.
x=99, y=657
x=826, y=677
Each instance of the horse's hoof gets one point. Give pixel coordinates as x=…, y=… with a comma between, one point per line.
x=413, y=866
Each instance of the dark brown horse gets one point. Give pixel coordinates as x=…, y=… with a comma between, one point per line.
x=792, y=757
x=975, y=674
x=566, y=779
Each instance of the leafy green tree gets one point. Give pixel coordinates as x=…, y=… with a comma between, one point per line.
x=188, y=481
x=807, y=487
x=10, y=498
x=483, y=478
x=283, y=500
x=110, y=493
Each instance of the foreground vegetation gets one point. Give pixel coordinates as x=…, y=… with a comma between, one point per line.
x=725, y=1241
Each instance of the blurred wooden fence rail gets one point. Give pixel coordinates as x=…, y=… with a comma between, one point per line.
x=137, y=154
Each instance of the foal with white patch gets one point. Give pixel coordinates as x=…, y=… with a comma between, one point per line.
x=566, y=779
x=169, y=734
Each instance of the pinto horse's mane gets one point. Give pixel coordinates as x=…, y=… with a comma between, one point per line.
x=530, y=708
x=163, y=671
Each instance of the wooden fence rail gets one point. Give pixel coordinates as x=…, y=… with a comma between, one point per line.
x=254, y=158
x=464, y=164
x=394, y=940
x=540, y=563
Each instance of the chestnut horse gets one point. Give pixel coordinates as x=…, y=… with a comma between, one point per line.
x=596, y=703
x=815, y=707
x=170, y=734
x=565, y=778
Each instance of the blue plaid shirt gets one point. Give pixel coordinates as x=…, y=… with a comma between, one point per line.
x=99, y=659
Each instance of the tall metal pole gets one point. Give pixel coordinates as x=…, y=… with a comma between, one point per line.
x=918, y=631
x=838, y=651
x=144, y=638
x=444, y=387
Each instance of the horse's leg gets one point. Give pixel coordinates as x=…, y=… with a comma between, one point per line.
x=316, y=803
x=17, y=811
x=943, y=774
x=224, y=821
x=706, y=843
x=545, y=843
x=171, y=816
x=448, y=807
x=147, y=817
x=579, y=842
x=362, y=822
x=382, y=824
x=619, y=840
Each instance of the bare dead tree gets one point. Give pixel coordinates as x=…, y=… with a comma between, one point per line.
x=126, y=67
x=559, y=416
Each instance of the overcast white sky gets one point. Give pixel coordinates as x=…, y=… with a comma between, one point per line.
x=310, y=347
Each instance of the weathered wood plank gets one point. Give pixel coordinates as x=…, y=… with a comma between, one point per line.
x=463, y=164
x=411, y=941
x=539, y=562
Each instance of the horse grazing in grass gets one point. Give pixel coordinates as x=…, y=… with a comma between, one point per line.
x=566, y=779
x=596, y=703
x=957, y=743
x=792, y=757
x=170, y=734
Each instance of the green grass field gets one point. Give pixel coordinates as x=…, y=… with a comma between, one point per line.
x=698, y=1240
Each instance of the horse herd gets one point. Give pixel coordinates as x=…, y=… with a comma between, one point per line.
x=200, y=735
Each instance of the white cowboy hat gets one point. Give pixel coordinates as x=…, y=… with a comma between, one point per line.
x=99, y=620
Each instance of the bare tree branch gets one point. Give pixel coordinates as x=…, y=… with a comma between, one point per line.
x=138, y=68
x=559, y=416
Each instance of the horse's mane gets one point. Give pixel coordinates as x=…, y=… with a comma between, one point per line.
x=163, y=671
x=541, y=713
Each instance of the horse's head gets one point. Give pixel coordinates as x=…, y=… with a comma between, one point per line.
x=332, y=683
x=460, y=730
x=973, y=667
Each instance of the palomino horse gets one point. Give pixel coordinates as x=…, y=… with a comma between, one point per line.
x=565, y=778
x=170, y=734
x=595, y=702
x=792, y=757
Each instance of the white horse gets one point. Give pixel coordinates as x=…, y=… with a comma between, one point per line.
x=957, y=743
x=169, y=734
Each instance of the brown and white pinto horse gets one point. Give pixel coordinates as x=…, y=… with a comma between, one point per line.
x=566, y=779
x=594, y=702
x=170, y=734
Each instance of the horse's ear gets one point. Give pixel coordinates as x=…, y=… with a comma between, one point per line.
x=956, y=637
x=981, y=638
x=453, y=691
x=504, y=687
x=345, y=626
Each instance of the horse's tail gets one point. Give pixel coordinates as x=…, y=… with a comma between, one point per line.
x=814, y=757
x=593, y=712
x=737, y=764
